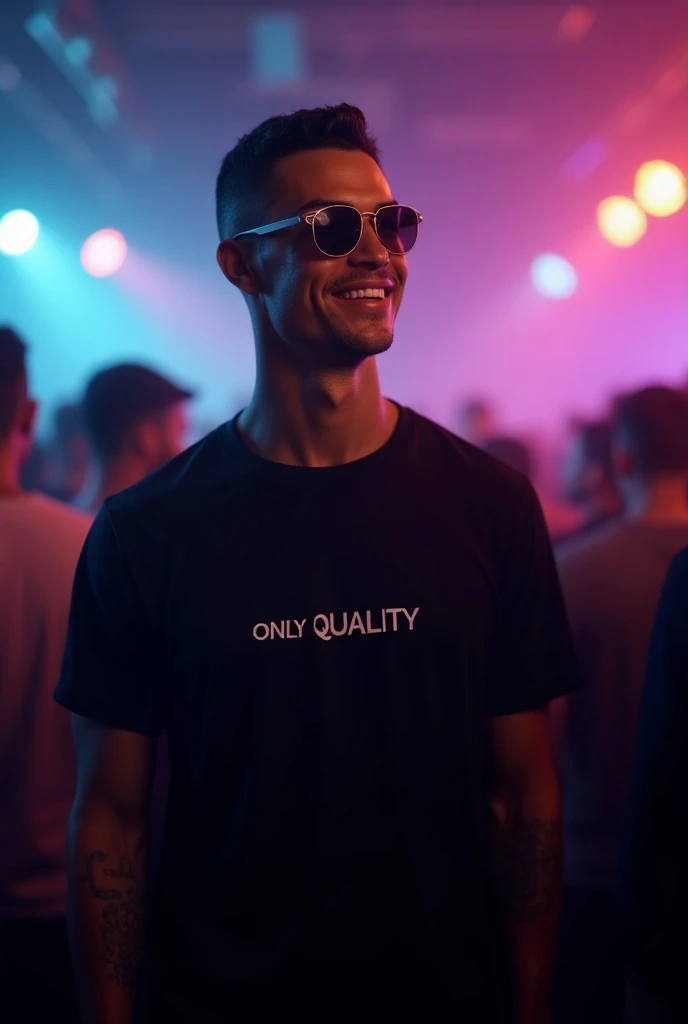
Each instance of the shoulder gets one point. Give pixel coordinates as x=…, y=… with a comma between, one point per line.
x=48, y=513
x=675, y=591
x=678, y=569
x=481, y=471
x=176, y=486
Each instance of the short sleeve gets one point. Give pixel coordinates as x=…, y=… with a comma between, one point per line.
x=110, y=671
x=534, y=659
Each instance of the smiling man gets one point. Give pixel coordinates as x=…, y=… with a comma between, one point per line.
x=349, y=623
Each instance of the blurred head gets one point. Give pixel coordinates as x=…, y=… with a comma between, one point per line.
x=651, y=437
x=588, y=469
x=69, y=450
x=17, y=410
x=477, y=421
x=513, y=452
x=289, y=166
x=131, y=412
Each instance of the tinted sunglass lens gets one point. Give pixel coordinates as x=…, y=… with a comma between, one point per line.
x=397, y=228
x=337, y=230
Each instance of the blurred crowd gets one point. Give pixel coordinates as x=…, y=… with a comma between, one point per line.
x=618, y=517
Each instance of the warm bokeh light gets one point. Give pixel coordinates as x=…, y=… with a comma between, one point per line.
x=576, y=22
x=18, y=232
x=103, y=253
x=553, y=276
x=660, y=188
x=621, y=221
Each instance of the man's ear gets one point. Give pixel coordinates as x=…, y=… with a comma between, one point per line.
x=237, y=267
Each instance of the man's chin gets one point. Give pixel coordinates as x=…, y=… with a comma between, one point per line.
x=365, y=343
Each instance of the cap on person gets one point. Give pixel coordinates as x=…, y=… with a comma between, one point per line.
x=120, y=397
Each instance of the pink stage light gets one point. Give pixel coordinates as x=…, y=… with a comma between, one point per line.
x=103, y=253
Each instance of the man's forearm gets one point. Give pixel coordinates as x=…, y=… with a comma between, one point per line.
x=526, y=840
x=107, y=911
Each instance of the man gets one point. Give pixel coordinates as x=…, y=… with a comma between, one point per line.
x=349, y=623
x=653, y=888
x=69, y=454
x=40, y=541
x=562, y=521
x=135, y=421
x=588, y=475
x=477, y=422
x=612, y=580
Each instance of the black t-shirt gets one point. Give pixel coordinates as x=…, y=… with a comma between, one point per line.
x=653, y=883
x=325, y=648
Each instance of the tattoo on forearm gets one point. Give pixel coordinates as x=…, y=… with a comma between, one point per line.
x=123, y=918
x=527, y=863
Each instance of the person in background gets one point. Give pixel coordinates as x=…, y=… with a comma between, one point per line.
x=653, y=881
x=40, y=542
x=35, y=473
x=135, y=422
x=477, y=422
x=588, y=474
x=68, y=454
x=612, y=579
x=513, y=452
x=350, y=624
x=562, y=521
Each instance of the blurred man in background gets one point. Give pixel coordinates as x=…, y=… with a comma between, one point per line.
x=40, y=541
x=562, y=520
x=588, y=474
x=653, y=876
x=612, y=579
x=68, y=455
x=135, y=422
x=513, y=452
x=477, y=421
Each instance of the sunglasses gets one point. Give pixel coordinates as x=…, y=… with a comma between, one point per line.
x=337, y=230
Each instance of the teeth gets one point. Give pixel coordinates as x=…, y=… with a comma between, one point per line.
x=364, y=293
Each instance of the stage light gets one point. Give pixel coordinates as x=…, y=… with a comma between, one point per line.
x=660, y=188
x=78, y=51
x=18, y=232
x=621, y=221
x=553, y=276
x=103, y=253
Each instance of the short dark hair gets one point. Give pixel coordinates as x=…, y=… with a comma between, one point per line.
x=13, y=382
x=245, y=172
x=119, y=398
x=653, y=424
x=595, y=439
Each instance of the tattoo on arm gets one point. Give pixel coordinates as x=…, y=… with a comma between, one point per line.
x=122, y=919
x=527, y=863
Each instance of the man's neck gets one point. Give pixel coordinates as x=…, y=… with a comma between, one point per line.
x=10, y=485
x=321, y=418
x=663, y=502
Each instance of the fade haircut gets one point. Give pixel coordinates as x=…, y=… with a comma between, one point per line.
x=13, y=383
x=244, y=177
x=653, y=425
